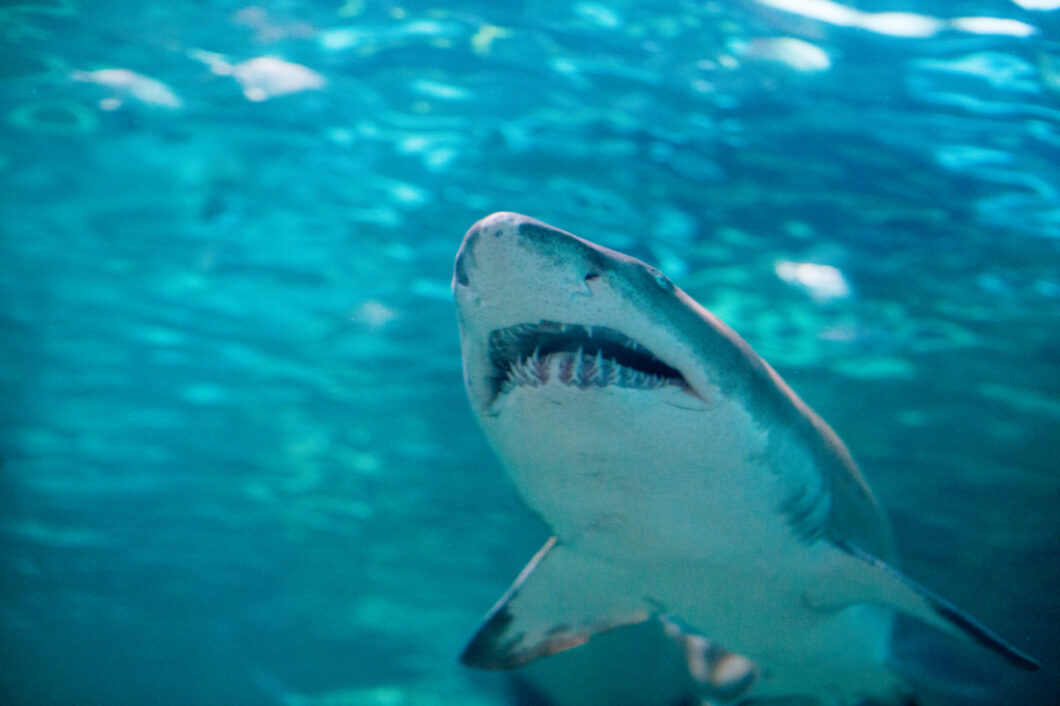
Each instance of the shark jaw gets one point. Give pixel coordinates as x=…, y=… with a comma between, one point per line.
x=573, y=354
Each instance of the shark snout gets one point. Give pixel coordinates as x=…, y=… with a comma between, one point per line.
x=503, y=225
x=512, y=246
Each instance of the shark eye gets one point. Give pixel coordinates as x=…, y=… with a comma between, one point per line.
x=589, y=277
x=662, y=280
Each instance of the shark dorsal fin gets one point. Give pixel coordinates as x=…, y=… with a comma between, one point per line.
x=548, y=609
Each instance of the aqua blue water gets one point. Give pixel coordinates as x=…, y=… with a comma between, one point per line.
x=237, y=462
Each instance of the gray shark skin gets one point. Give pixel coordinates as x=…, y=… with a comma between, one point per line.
x=683, y=480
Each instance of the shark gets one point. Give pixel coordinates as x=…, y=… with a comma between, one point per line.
x=684, y=484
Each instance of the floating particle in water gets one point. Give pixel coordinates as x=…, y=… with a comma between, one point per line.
x=598, y=13
x=1038, y=4
x=904, y=24
x=269, y=29
x=993, y=25
x=374, y=314
x=263, y=77
x=483, y=39
x=408, y=195
x=899, y=24
x=268, y=76
x=439, y=90
x=368, y=38
x=129, y=83
x=822, y=282
x=793, y=53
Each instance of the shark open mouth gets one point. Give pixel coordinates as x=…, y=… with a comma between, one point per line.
x=572, y=354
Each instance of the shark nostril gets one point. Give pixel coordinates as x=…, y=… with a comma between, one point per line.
x=460, y=271
x=467, y=249
x=460, y=268
x=589, y=277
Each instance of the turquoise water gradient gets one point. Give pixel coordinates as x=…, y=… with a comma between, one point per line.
x=237, y=462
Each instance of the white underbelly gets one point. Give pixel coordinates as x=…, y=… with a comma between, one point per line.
x=687, y=499
x=643, y=467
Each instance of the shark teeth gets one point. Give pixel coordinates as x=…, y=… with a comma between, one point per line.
x=580, y=370
x=572, y=354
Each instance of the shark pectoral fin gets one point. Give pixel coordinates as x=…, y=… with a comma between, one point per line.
x=559, y=601
x=720, y=676
x=878, y=582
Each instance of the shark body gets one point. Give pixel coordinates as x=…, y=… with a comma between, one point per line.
x=683, y=480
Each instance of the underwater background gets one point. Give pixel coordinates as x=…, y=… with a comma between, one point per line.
x=236, y=461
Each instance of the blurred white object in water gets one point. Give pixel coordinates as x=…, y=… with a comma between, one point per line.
x=127, y=82
x=1038, y=4
x=598, y=13
x=268, y=76
x=374, y=37
x=993, y=25
x=440, y=90
x=263, y=77
x=822, y=282
x=794, y=53
x=374, y=314
x=901, y=24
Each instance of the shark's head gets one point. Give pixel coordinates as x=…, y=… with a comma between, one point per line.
x=591, y=373
x=539, y=306
x=576, y=352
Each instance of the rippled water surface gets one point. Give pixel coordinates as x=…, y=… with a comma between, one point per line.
x=237, y=461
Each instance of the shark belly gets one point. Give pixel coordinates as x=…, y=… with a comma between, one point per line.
x=696, y=542
x=612, y=475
